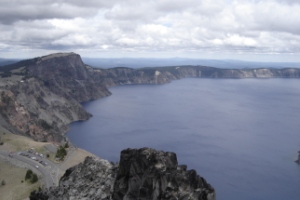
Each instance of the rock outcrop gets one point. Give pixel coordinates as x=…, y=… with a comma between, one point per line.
x=92, y=179
x=142, y=174
x=298, y=160
x=149, y=174
x=41, y=96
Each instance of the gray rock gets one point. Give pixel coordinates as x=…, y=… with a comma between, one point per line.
x=150, y=174
x=142, y=174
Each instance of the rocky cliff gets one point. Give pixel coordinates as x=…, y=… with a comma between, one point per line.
x=41, y=96
x=144, y=174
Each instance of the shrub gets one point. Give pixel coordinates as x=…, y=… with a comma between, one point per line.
x=34, y=178
x=66, y=145
x=28, y=174
x=61, y=153
x=3, y=182
x=31, y=176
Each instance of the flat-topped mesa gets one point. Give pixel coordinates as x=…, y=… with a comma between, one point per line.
x=67, y=75
x=57, y=55
x=141, y=174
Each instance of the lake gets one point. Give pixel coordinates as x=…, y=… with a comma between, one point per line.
x=241, y=135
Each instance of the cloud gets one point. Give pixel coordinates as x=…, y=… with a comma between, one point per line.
x=24, y=10
x=258, y=27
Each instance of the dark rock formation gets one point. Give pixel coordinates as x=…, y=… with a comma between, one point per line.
x=142, y=174
x=149, y=174
x=298, y=160
x=67, y=76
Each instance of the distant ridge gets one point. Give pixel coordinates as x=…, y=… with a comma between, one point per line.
x=162, y=62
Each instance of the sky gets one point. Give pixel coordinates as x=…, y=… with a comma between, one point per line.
x=258, y=30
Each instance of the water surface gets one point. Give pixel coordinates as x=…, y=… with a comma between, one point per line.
x=242, y=136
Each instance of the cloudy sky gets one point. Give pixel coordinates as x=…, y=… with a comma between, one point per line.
x=236, y=29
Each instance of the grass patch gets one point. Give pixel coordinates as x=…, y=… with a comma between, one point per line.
x=14, y=142
x=14, y=188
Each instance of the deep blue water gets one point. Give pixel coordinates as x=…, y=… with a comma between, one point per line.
x=242, y=136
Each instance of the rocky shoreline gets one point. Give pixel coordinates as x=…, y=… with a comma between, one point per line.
x=40, y=97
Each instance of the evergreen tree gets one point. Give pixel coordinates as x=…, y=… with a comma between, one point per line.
x=61, y=152
x=28, y=174
x=34, y=178
x=66, y=145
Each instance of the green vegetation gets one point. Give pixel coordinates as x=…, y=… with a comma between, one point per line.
x=7, y=69
x=28, y=174
x=61, y=153
x=66, y=145
x=12, y=177
x=32, y=177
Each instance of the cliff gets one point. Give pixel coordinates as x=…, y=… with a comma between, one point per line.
x=41, y=96
x=141, y=174
x=161, y=75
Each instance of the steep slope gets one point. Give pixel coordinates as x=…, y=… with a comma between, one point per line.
x=141, y=174
x=33, y=110
x=66, y=75
x=41, y=96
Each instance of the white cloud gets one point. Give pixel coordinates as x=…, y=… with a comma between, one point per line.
x=151, y=26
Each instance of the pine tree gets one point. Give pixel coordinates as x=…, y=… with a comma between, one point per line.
x=28, y=174
x=34, y=178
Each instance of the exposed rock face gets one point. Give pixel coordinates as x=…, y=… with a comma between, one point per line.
x=298, y=160
x=47, y=98
x=142, y=174
x=92, y=179
x=45, y=93
x=34, y=110
x=67, y=76
x=149, y=174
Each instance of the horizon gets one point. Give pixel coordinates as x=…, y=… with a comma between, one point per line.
x=18, y=58
x=241, y=58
